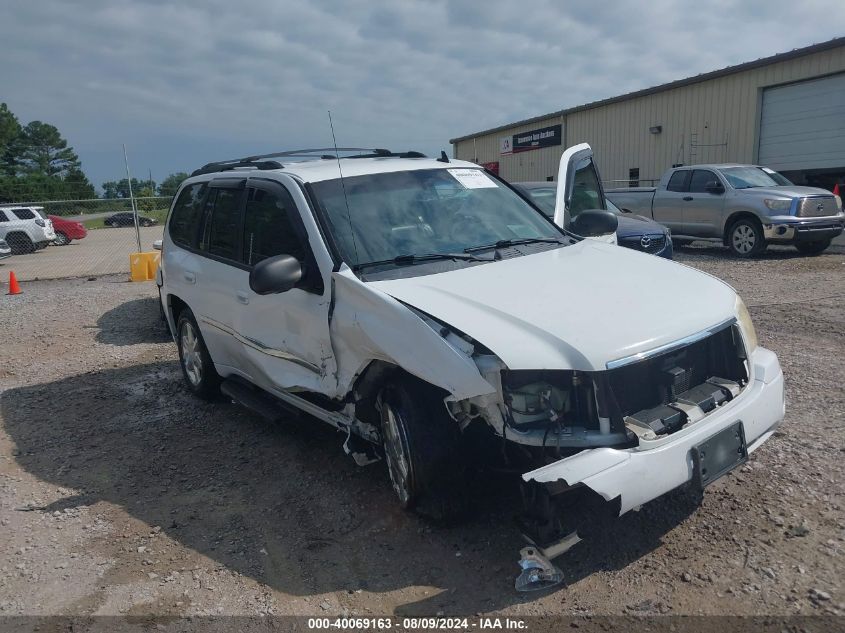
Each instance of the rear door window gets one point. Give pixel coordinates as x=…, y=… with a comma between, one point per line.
x=679, y=181
x=268, y=229
x=222, y=228
x=3, y=217
x=187, y=215
x=24, y=214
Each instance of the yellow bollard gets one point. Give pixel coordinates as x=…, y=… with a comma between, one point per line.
x=142, y=266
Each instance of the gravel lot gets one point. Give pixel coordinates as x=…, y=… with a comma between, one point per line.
x=101, y=252
x=122, y=494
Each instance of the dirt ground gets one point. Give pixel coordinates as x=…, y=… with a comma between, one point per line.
x=122, y=494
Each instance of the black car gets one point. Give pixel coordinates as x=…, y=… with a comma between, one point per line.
x=128, y=219
x=634, y=231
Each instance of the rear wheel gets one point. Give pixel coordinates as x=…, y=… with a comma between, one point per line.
x=197, y=367
x=20, y=243
x=61, y=239
x=812, y=248
x=421, y=450
x=745, y=238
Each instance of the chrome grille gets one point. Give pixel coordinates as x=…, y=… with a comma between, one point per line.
x=645, y=243
x=817, y=207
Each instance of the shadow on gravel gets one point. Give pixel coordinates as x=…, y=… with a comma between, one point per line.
x=281, y=503
x=133, y=322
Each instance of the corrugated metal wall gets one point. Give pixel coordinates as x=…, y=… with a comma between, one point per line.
x=712, y=121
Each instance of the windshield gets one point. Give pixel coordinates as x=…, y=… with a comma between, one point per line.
x=750, y=176
x=423, y=212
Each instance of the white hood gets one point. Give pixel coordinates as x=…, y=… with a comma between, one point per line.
x=576, y=307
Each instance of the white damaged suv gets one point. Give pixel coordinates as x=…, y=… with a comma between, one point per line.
x=437, y=318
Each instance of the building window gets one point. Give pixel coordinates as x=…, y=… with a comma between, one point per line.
x=634, y=177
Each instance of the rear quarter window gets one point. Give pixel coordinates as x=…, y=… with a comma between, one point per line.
x=24, y=214
x=679, y=181
x=187, y=214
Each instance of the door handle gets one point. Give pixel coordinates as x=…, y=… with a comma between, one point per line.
x=243, y=298
x=688, y=198
x=190, y=277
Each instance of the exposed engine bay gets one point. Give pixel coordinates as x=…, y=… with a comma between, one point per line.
x=552, y=413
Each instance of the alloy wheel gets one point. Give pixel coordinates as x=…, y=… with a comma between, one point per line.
x=191, y=359
x=396, y=453
x=744, y=238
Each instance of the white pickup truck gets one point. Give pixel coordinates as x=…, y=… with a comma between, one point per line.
x=746, y=207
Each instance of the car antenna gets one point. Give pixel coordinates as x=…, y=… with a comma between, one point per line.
x=343, y=186
x=443, y=158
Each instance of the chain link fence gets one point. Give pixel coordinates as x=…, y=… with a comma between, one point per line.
x=92, y=237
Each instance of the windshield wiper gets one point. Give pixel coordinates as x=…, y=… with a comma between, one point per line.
x=514, y=242
x=406, y=260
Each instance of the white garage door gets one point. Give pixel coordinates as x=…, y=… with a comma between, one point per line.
x=803, y=125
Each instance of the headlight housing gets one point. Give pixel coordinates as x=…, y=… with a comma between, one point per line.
x=746, y=325
x=778, y=204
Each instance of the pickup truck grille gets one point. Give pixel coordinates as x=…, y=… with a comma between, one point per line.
x=817, y=207
x=653, y=243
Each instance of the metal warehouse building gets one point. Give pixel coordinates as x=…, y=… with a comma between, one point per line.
x=785, y=111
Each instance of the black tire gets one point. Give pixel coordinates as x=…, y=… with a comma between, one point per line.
x=427, y=439
x=812, y=248
x=61, y=239
x=745, y=238
x=197, y=368
x=20, y=243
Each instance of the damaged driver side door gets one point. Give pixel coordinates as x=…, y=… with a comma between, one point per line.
x=285, y=335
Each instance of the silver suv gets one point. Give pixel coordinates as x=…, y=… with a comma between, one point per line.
x=25, y=229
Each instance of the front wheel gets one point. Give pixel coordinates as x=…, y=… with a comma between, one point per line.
x=421, y=443
x=745, y=238
x=812, y=248
x=197, y=367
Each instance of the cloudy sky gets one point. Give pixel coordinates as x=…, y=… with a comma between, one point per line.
x=189, y=81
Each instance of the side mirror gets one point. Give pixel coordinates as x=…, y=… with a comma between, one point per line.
x=275, y=274
x=715, y=187
x=157, y=245
x=594, y=222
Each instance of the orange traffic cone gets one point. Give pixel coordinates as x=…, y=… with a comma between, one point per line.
x=14, y=287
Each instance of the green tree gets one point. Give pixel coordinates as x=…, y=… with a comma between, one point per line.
x=10, y=130
x=170, y=185
x=77, y=186
x=120, y=188
x=41, y=149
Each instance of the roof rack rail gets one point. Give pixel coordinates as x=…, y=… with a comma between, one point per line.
x=260, y=161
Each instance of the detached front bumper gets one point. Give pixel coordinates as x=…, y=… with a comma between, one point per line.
x=637, y=475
